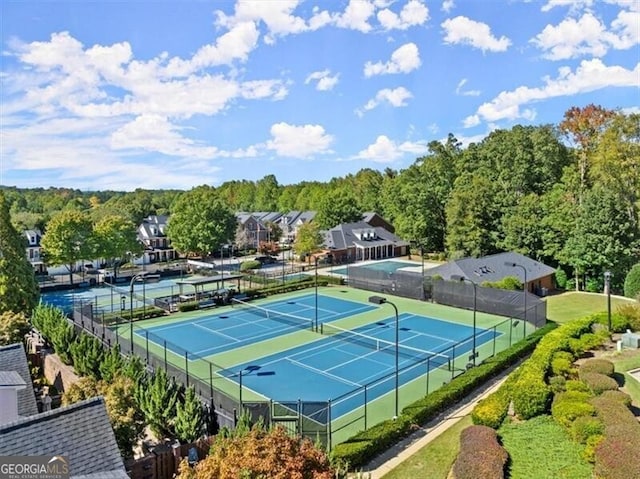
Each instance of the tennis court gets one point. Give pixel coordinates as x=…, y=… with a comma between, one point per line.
x=351, y=368
x=249, y=323
x=388, y=266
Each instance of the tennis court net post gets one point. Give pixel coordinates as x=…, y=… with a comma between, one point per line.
x=262, y=312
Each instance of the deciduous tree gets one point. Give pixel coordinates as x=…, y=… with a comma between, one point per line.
x=337, y=207
x=308, y=239
x=115, y=239
x=13, y=327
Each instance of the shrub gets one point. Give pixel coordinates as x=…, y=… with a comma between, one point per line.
x=618, y=396
x=569, y=406
x=593, y=285
x=558, y=384
x=561, y=278
x=632, y=282
x=492, y=410
x=589, y=453
x=576, y=385
x=584, y=427
x=87, y=354
x=531, y=396
x=630, y=315
x=189, y=306
x=596, y=365
x=562, y=363
x=249, y=265
x=571, y=284
x=480, y=455
x=598, y=383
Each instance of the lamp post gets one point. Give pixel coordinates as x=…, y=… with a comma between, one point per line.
x=525, y=289
x=607, y=287
x=135, y=278
x=475, y=308
x=316, y=314
x=380, y=300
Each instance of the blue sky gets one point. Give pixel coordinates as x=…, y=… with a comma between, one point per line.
x=174, y=94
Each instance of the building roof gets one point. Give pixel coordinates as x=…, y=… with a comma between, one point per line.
x=14, y=358
x=80, y=432
x=11, y=378
x=493, y=268
x=153, y=226
x=347, y=235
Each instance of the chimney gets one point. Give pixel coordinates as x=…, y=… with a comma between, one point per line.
x=10, y=384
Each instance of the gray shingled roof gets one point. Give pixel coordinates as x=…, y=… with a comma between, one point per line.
x=81, y=432
x=344, y=236
x=14, y=358
x=492, y=268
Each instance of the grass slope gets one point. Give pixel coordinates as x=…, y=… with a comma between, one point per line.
x=540, y=449
x=575, y=305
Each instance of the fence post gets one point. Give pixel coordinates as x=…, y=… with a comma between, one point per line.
x=365, y=407
x=165, y=354
x=146, y=335
x=329, y=425
x=186, y=365
x=510, y=331
x=453, y=359
x=428, y=372
x=299, y=417
x=210, y=379
x=495, y=333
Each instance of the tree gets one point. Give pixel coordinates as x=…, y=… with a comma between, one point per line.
x=111, y=364
x=337, y=207
x=632, y=282
x=261, y=454
x=200, y=222
x=157, y=398
x=19, y=290
x=267, y=194
x=68, y=239
x=522, y=227
x=115, y=239
x=308, y=239
x=583, y=126
x=190, y=418
x=13, y=327
x=87, y=353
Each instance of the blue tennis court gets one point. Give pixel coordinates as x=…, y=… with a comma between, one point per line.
x=389, y=266
x=342, y=363
x=219, y=332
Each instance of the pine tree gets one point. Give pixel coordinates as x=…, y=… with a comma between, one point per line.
x=18, y=286
x=189, y=417
x=111, y=364
x=157, y=398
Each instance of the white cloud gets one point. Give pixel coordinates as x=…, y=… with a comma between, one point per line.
x=324, y=80
x=356, y=16
x=299, y=141
x=580, y=5
x=460, y=91
x=384, y=150
x=589, y=76
x=462, y=30
x=404, y=60
x=397, y=97
x=413, y=13
x=448, y=5
x=588, y=36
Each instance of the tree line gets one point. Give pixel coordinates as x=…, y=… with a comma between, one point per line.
x=565, y=194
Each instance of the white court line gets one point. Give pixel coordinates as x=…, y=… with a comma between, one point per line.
x=323, y=373
x=213, y=331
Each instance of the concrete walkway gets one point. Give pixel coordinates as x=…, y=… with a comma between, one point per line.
x=423, y=436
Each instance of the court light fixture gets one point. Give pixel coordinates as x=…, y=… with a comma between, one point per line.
x=379, y=300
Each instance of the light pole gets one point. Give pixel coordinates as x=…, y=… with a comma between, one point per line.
x=607, y=287
x=316, y=315
x=248, y=370
x=525, y=289
x=475, y=308
x=133, y=280
x=380, y=300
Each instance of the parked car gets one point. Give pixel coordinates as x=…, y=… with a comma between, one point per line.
x=265, y=259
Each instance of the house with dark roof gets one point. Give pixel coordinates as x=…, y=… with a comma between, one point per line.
x=13, y=358
x=81, y=433
x=152, y=233
x=537, y=276
x=290, y=222
x=34, y=250
x=360, y=241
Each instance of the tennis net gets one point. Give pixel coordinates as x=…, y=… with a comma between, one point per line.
x=383, y=345
x=286, y=318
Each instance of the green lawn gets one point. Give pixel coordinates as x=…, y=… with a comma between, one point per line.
x=540, y=449
x=436, y=458
x=625, y=361
x=574, y=305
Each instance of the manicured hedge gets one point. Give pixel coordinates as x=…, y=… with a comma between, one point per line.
x=594, y=365
x=492, y=410
x=365, y=445
x=586, y=426
x=571, y=405
x=480, y=456
x=599, y=383
x=616, y=457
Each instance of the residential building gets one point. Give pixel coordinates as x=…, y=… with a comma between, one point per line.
x=360, y=241
x=13, y=358
x=374, y=219
x=292, y=221
x=493, y=268
x=152, y=233
x=34, y=250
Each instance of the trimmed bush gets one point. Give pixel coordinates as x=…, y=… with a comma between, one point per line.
x=557, y=384
x=632, y=282
x=584, y=427
x=492, y=410
x=599, y=383
x=589, y=453
x=562, y=363
x=189, y=306
x=576, y=385
x=531, y=396
x=569, y=406
x=249, y=265
x=617, y=395
x=480, y=455
x=616, y=456
x=595, y=365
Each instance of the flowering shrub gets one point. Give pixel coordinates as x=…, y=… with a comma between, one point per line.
x=480, y=455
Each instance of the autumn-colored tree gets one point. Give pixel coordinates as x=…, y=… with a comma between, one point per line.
x=261, y=454
x=13, y=327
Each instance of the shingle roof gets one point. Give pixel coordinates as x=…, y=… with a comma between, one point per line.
x=11, y=378
x=14, y=358
x=344, y=236
x=493, y=268
x=81, y=432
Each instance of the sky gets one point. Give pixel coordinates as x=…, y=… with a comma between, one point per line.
x=161, y=94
